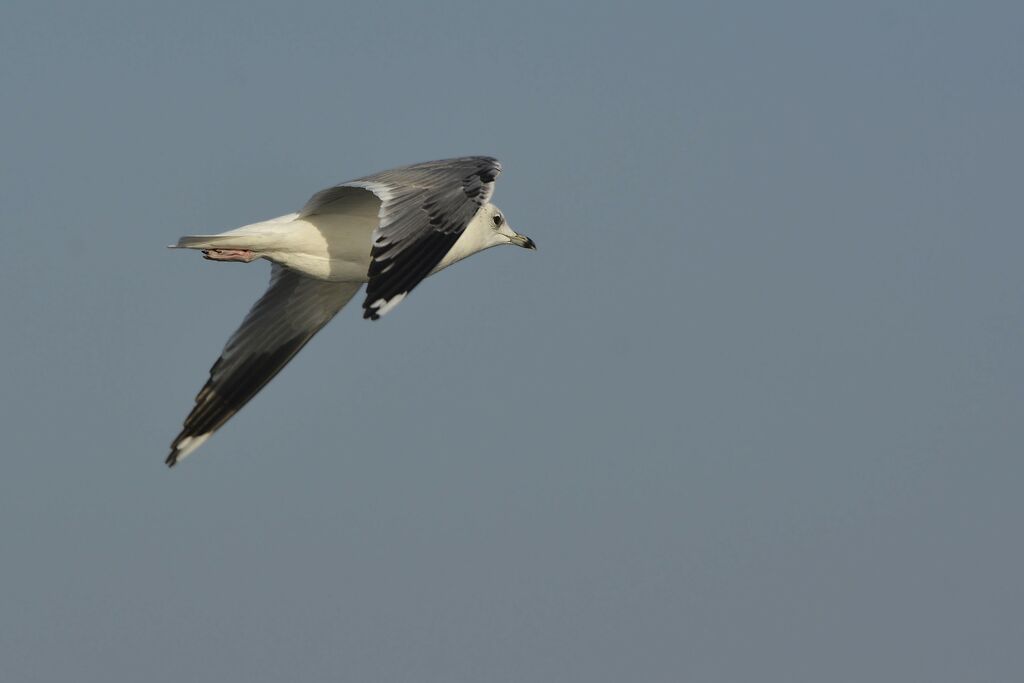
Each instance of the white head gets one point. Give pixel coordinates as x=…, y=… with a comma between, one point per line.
x=493, y=221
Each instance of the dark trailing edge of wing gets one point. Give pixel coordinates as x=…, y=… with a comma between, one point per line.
x=397, y=268
x=292, y=310
x=215, y=406
x=405, y=273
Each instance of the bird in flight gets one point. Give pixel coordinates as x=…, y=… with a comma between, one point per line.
x=389, y=230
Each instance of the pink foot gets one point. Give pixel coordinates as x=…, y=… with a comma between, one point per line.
x=243, y=255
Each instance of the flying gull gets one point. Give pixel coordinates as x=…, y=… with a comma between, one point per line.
x=389, y=230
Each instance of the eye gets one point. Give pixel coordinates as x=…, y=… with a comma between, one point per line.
x=498, y=220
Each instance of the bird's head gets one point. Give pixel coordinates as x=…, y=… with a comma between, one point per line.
x=494, y=220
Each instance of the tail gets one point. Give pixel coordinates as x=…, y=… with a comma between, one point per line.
x=224, y=241
x=256, y=236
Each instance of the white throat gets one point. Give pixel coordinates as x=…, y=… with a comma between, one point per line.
x=477, y=236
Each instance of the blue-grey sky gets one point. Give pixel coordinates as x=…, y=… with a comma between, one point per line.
x=752, y=412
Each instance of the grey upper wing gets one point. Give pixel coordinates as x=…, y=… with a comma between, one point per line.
x=289, y=313
x=424, y=209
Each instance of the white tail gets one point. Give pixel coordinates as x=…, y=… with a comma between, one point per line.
x=213, y=242
x=256, y=236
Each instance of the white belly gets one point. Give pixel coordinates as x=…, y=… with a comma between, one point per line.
x=336, y=248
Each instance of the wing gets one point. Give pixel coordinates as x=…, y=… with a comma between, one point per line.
x=289, y=313
x=424, y=209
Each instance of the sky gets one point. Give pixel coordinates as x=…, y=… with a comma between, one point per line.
x=753, y=410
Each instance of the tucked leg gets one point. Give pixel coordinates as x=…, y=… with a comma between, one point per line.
x=243, y=255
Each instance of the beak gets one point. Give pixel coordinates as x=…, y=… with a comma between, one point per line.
x=522, y=241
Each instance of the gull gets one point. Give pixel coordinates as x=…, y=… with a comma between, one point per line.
x=389, y=230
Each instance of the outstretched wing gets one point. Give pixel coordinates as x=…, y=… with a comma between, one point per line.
x=289, y=313
x=424, y=209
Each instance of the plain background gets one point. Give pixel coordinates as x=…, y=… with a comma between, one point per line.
x=752, y=412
